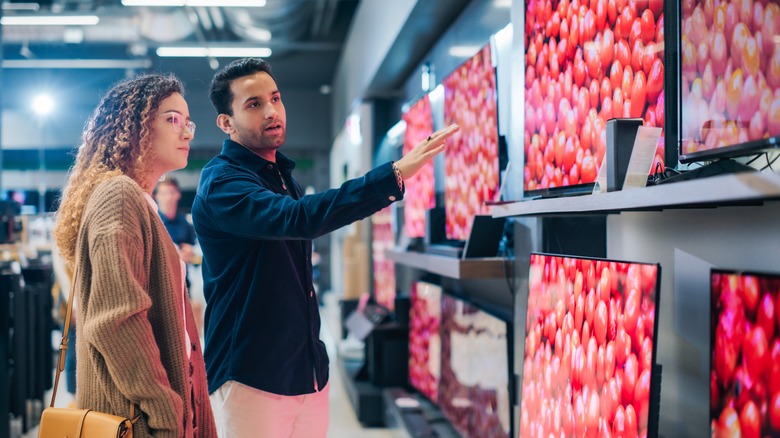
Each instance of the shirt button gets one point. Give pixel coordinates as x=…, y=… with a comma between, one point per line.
x=391, y=198
x=269, y=166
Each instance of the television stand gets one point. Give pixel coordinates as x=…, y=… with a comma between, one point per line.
x=719, y=167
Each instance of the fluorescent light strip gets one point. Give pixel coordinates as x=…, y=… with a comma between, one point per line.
x=214, y=52
x=219, y=3
x=50, y=20
x=8, y=6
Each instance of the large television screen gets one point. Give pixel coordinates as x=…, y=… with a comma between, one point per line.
x=586, y=63
x=424, y=339
x=471, y=159
x=745, y=348
x=730, y=78
x=383, y=239
x=590, y=338
x=474, y=380
x=420, y=193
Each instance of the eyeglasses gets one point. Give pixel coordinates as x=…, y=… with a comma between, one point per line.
x=178, y=122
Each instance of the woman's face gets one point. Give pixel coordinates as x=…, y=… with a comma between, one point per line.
x=172, y=132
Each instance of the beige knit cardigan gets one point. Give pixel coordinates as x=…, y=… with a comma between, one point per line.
x=130, y=343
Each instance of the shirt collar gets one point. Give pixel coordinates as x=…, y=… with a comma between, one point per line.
x=151, y=202
x=239, y=153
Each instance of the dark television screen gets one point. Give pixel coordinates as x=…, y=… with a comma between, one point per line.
x=585, y=63
x=474, y=381
x=730, y=78
x=420, y=193
x=745, y=348
x=424, y=339
x=471, y=159
x=589, y=347
x=383, y=239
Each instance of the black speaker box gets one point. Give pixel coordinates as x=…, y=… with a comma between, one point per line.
x=435, y=221
x=621, y=134
x=403, y=304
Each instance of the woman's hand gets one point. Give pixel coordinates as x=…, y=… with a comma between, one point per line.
x=412, y=162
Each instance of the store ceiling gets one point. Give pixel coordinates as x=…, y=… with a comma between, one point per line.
x=306, y=37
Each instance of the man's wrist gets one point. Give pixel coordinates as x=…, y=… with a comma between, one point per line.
x=398, y=177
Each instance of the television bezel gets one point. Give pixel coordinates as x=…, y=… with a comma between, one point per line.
x=501, y=145
x=510, y=351
x=713, y=324
x=737, y=150
x=655, y=371
x=424, y=97
x=411, y=306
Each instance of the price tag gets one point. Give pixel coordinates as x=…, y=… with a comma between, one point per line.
x=641, y=157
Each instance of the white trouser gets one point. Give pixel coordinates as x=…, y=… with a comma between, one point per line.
x=242, y=411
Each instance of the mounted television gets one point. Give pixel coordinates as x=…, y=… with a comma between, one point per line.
x=424, y=339
x=474, y=380
x=586, y=63
x=420, y=193
x=729, y=81
x=745, y=349
x=383, y=239
x=590, y=338
x=471, y=159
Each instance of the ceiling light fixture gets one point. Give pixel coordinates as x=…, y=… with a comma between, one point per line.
x=213, y=52
x=50, y=20
x=193, y=3
x=8, y=6
x=463, y=51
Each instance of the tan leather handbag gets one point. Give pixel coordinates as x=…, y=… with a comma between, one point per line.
x=80, y=423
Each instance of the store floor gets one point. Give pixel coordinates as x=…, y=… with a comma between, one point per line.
x=343, y=423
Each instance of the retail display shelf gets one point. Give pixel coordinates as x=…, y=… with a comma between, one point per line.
x=718, y=191
x=457, y=268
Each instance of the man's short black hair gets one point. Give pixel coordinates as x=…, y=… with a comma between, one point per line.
x=219, y=91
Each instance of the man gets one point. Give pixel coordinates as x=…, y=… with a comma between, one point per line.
x=167, y=194
x=267, y=368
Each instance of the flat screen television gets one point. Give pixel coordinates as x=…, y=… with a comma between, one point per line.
x=586, y=63
x=729, y=80
x=424, y=339
x=420, y=193
x=471, y=159
x=745, y=349
x=383, y=239
x=474, y=380
x=590, y=338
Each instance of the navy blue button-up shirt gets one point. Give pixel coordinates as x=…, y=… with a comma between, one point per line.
x=262, y=316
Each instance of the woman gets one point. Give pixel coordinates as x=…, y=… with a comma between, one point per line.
x=138, y=343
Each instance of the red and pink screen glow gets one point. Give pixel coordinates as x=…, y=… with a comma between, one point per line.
x=730, y=73
x=424, y=339
x=585, y=63
x=420, y=195
x=745, y=348
x=471, y=157
x=474, y=381
x=384, y=269
x=590, y=337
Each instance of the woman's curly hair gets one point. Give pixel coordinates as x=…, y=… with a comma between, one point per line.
x=116, y=141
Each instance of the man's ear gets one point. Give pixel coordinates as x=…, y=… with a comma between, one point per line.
x=225, y=123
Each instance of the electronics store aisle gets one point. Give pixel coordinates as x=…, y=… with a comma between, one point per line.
x=343, y=422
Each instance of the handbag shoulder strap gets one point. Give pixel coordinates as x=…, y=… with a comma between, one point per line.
x=64, y=341
x=64, y=347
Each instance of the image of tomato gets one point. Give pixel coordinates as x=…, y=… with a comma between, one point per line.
x=745, y=348
x=471, y=157
x=613, y=50
x=595, y=379
x=725, y=46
